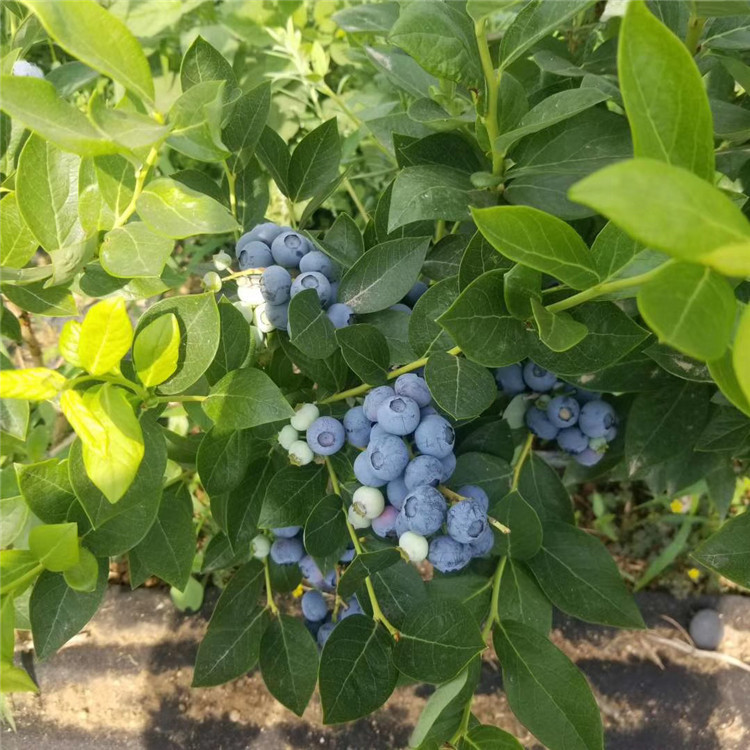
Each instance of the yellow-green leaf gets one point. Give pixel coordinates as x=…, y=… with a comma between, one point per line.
x=741, y=353
x=18, y=568
x=33, y=384
x=70, y=337
x=106, y=336
x=55, y=545
x=83, y=575
x=15, y=680
x=731, y=260
x=156, y=349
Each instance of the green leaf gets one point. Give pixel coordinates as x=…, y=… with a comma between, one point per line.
x=401, y=70
x=614, y=252
x=311, y=329
x=315, y=161
x=128, y=129
x=723, y=373
x=727, y=430
x=290, y=494
x=394, y=325
x=558, y=332
x=46, y=489
x=246, y=398
x=357, y=674
x=485, y=470
x=19, y=568
x=156, y=349
x=331, y=374
x=234, y=342
x=248, y=119
x=17, y=243
x=486, y=737
x=546, y=691
x=198, y=318
x=16, y=680
x=273, y=154
x=522, y=600
x=741, y=353
x=232, y=642
x=479, y=258
x=57, y=612
x=482, y=326
x=487, y=436
x=540, y=486
x=364, y=565
x=399, y=590
x=444, y=260
x=343, y=241
x=245, y=501
x=367, y=18
x=106, y=336
x=460, y=387
x=134, y=251
x=55, y=546
x=535, y=21
x=168, y=549
x=14, y=417
x=203, y=62
x=666, y=105
x=726, y=552
x=84, y=574
x=578, y=575
x=661, y=420
x=525, y=536
x=289, y=663
x=521, y=284
x=365, y=350
x=438, y=640
x=326, y=535
x=425, y=333
x=384, y=274
x=690, y=308
x=441, y=39
x=528, y=236
x=670, y=209
x=223, y=458
x=14, y=514
x=174, y=210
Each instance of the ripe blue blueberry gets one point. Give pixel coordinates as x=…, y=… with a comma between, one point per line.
x=583, y=396
x=402, y=524
x=326, y=436
x=611, y=434
x=318, y=261
x=424, y=510
x=400, y=307
x=347, y=556
x=510, y=379
x=482, y=546
x=707, y=629
x=467, y=521
x=415, y=293
x=325, y=633
x=397, y=492
x=287, y=532
x=314, y=606
x=596, y=418
x=287, y=551
x=589, y=457
x=387, y=457
x=352, y=608
x=364, y=473
x=340, y=315
x=572, y=440
x=288, y=249
x=537, y=378
x=563, y=411
x=310, y=570
x=428, y=411
x=373, y=400
x=414, y=387
x=435, y=437
x=266, y=232
x=357, y=427
x=275, y=285
x=449, y=466
x=385, y=524
x=312, y=280
x=423, y=470
x=539, y=424
x=278, y=315
x=334, y=293
x=254, y=255
x=475, y=493
x=447, y=555
x=399, y=415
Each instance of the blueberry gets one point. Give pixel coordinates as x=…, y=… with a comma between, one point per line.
x=377, y=432
x=340, y=315
x=482, y=546
x=449, y=466
x=266, y=232
x=310, y=570
x=347, y=556
x=414, y=387
x=397, y=492
x=399, y=415
x=26, y=69
x=572, y=440
x=428, y=411
x=400, y=307
x=357, y=427
x=589, y=457
x=326, y=436
x=329, y=579
x=563, y=411
x=447, y=555
x=435, y=437
x=275, y=285
x=364, y=473
x=707, y=629
x=287, y=551
x=537, y=378
x=312, y=280
x=278, y=315
x=314, y=606
x=373, y=400
x=325, y=633
x=421, y=470
x=610, y=434
x=313, y=627
x=402, y=524
x=352, y=608
x=467, y=521
x=356, y=519
x=475, y=493
x=387, y=457
x=315, y=260
x=539, y=424
x=414, y=545
x=583, y=396
x=288, y=249
x=334, y=293
x=287, y=532
x=254, y=255
x=368, y=502
x=385, y=523
x=424, y=510
x=415, y=293
x=510, y=379
x=596, y=418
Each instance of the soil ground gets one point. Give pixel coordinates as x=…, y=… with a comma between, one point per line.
x=124, y=683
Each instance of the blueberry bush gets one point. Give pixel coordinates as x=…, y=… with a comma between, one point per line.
x=347, y=301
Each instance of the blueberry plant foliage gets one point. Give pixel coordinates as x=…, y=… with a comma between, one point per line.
x=569, y=188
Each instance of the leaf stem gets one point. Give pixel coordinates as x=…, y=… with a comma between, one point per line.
x=487, y=629
x=232, y=184
x=606, y=287
x=269, y=591
x=240, y=274
x=355, y=199
x=522, y=456
x=360, y=389
x=492, y=81
x=177, y=399
x=140, y=181
x=117, y=380
x=694, y=31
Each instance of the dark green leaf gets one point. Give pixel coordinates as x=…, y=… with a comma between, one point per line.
x=273, y=154
x=326, y=535
x=244, y=502
x=485, y=470
x=727, y=430
x=444, y=260
x=460, y=387
x=557, y=331
x=425, y=333
x=330, y=374
x=364, y=565
x=525, y=536
x=394, y=325
x=520, y=285
x=401, y=70
x=234, y=342
x=311, y=329
x=399, y=590
x=365, y=350
x=540, y=486
x=343, y=241
x=494, y=436
x=727, y=551
x=522, y=600
x=315, y=161
x=223, y=458
x=367, y=18
x=203, y=62
x=479, y=258
x=46, y=489
x=290, y=495
x=486, y=737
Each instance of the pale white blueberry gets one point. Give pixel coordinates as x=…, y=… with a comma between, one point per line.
x=249, y=291
x=414, y=545
x=212, y=281
x=306, y=414
x=300, y=453
x=287, y=436
x=357, y=520
x=222, y=261
x=368, y=502
x=260, y=546
x=260, y=318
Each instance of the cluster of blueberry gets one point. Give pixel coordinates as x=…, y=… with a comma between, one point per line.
x=281, y=251
x=580, y=421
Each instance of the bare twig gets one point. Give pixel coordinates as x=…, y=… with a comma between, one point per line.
x=699, y=652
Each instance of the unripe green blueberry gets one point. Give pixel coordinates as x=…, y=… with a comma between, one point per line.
x=357, y=520
x=222, y=261
x=368, y=502
x=485, y=180
x=262, y=323
x=415, y=546
x=305, y=416
x=287, y=436
x=212, y=281
x=300, y=453
x=260, y=546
